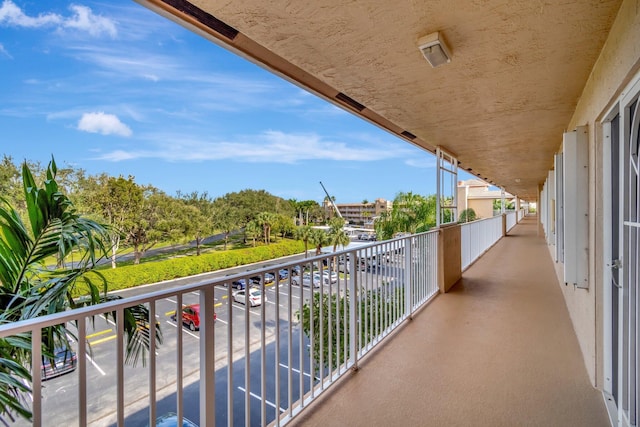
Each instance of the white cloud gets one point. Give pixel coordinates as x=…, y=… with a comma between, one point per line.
x=4, y=52
x=270, y=147
x=11, y=14
x=106, y=124
x=82, y=18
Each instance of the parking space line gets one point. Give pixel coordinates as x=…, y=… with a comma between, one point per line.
x=97, y=334
x=171, y=301
x=95, y=365
x=297, y=371
x=184, y=331
x=100, y=341
x=218, y=304
x=255, y=396
x=223, y=321
x=241, y=307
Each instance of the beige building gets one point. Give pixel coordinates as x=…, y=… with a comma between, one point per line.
x=476, y=194
x=360, y=213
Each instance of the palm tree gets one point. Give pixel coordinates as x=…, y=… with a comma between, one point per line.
x=318, y=238
x=337, y=236
x=304, y=233
x=28, y=289
x=266, y=220
x=252, y=231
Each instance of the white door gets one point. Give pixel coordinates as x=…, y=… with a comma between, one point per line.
x=621, y=295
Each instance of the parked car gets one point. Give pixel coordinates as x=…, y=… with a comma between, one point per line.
x=254, y=295
x=283, y=273
x=269, y=278
x=239, y=284
x=64, y=360
x=307, y=280
x=191, y=316
x=330, y=276
x=171, y=420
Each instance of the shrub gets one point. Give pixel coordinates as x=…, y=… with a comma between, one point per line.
x=134, y=275
x=467, y=215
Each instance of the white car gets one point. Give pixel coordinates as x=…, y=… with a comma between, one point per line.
x=255, y=297
x=307, y=280
x=331, y=276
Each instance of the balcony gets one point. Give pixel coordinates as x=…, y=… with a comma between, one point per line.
x=497, y=349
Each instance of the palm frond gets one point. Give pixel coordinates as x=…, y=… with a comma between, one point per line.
x=29, y=289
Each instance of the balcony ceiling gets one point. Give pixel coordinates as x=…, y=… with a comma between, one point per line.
x=517, y=71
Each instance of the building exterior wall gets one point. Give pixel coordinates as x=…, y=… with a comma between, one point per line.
x=618, y=63
x=482, y=207
x=360, y=213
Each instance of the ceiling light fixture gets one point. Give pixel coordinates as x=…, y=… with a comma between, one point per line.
x=434, y=49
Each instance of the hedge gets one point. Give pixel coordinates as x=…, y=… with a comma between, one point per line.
x=134, y=275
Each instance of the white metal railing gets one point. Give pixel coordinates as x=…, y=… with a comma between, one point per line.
x=511, y=220
x=522, y=212
x=477, y=237
x=251, y=366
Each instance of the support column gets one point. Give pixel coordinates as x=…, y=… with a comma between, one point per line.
x=449, y=257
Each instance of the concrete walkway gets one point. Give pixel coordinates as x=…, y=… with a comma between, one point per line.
x=498, y=350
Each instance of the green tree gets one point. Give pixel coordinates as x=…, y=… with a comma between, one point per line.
x=411, y=213
x=284, y=225
x=467, y=215
x=337, y=236
x=305, y=209
x=247, y=204
x=326, y=317
x=304, y=233
x=155, y=220
x=266, y=220
x=119, y=201
x=318, y=238
x=9, y=180
x=28, y=290
x=199, y=216
x=252, y=231
x=226, y=218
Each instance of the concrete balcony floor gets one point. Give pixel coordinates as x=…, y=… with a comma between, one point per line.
x=498, y=350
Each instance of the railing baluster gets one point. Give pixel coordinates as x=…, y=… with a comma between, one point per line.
x=263, y=352
x=230, y=355
x=207, y=358
x=120, y=364
x=152, y=363
x=179, y=358
x=408, y=277
x=36, y=366
x=277, y=344
x=82, y=371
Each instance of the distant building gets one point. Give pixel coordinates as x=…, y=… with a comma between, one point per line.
x=476, y=194
x=360, y=213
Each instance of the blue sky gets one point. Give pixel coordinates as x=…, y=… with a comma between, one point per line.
x=112, y=87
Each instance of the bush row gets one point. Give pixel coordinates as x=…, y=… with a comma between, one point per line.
x=134, y=275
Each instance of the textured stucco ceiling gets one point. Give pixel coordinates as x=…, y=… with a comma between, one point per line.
x=517, y=71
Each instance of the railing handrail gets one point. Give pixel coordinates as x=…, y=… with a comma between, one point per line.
x=109, y=306
x=476, y=221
